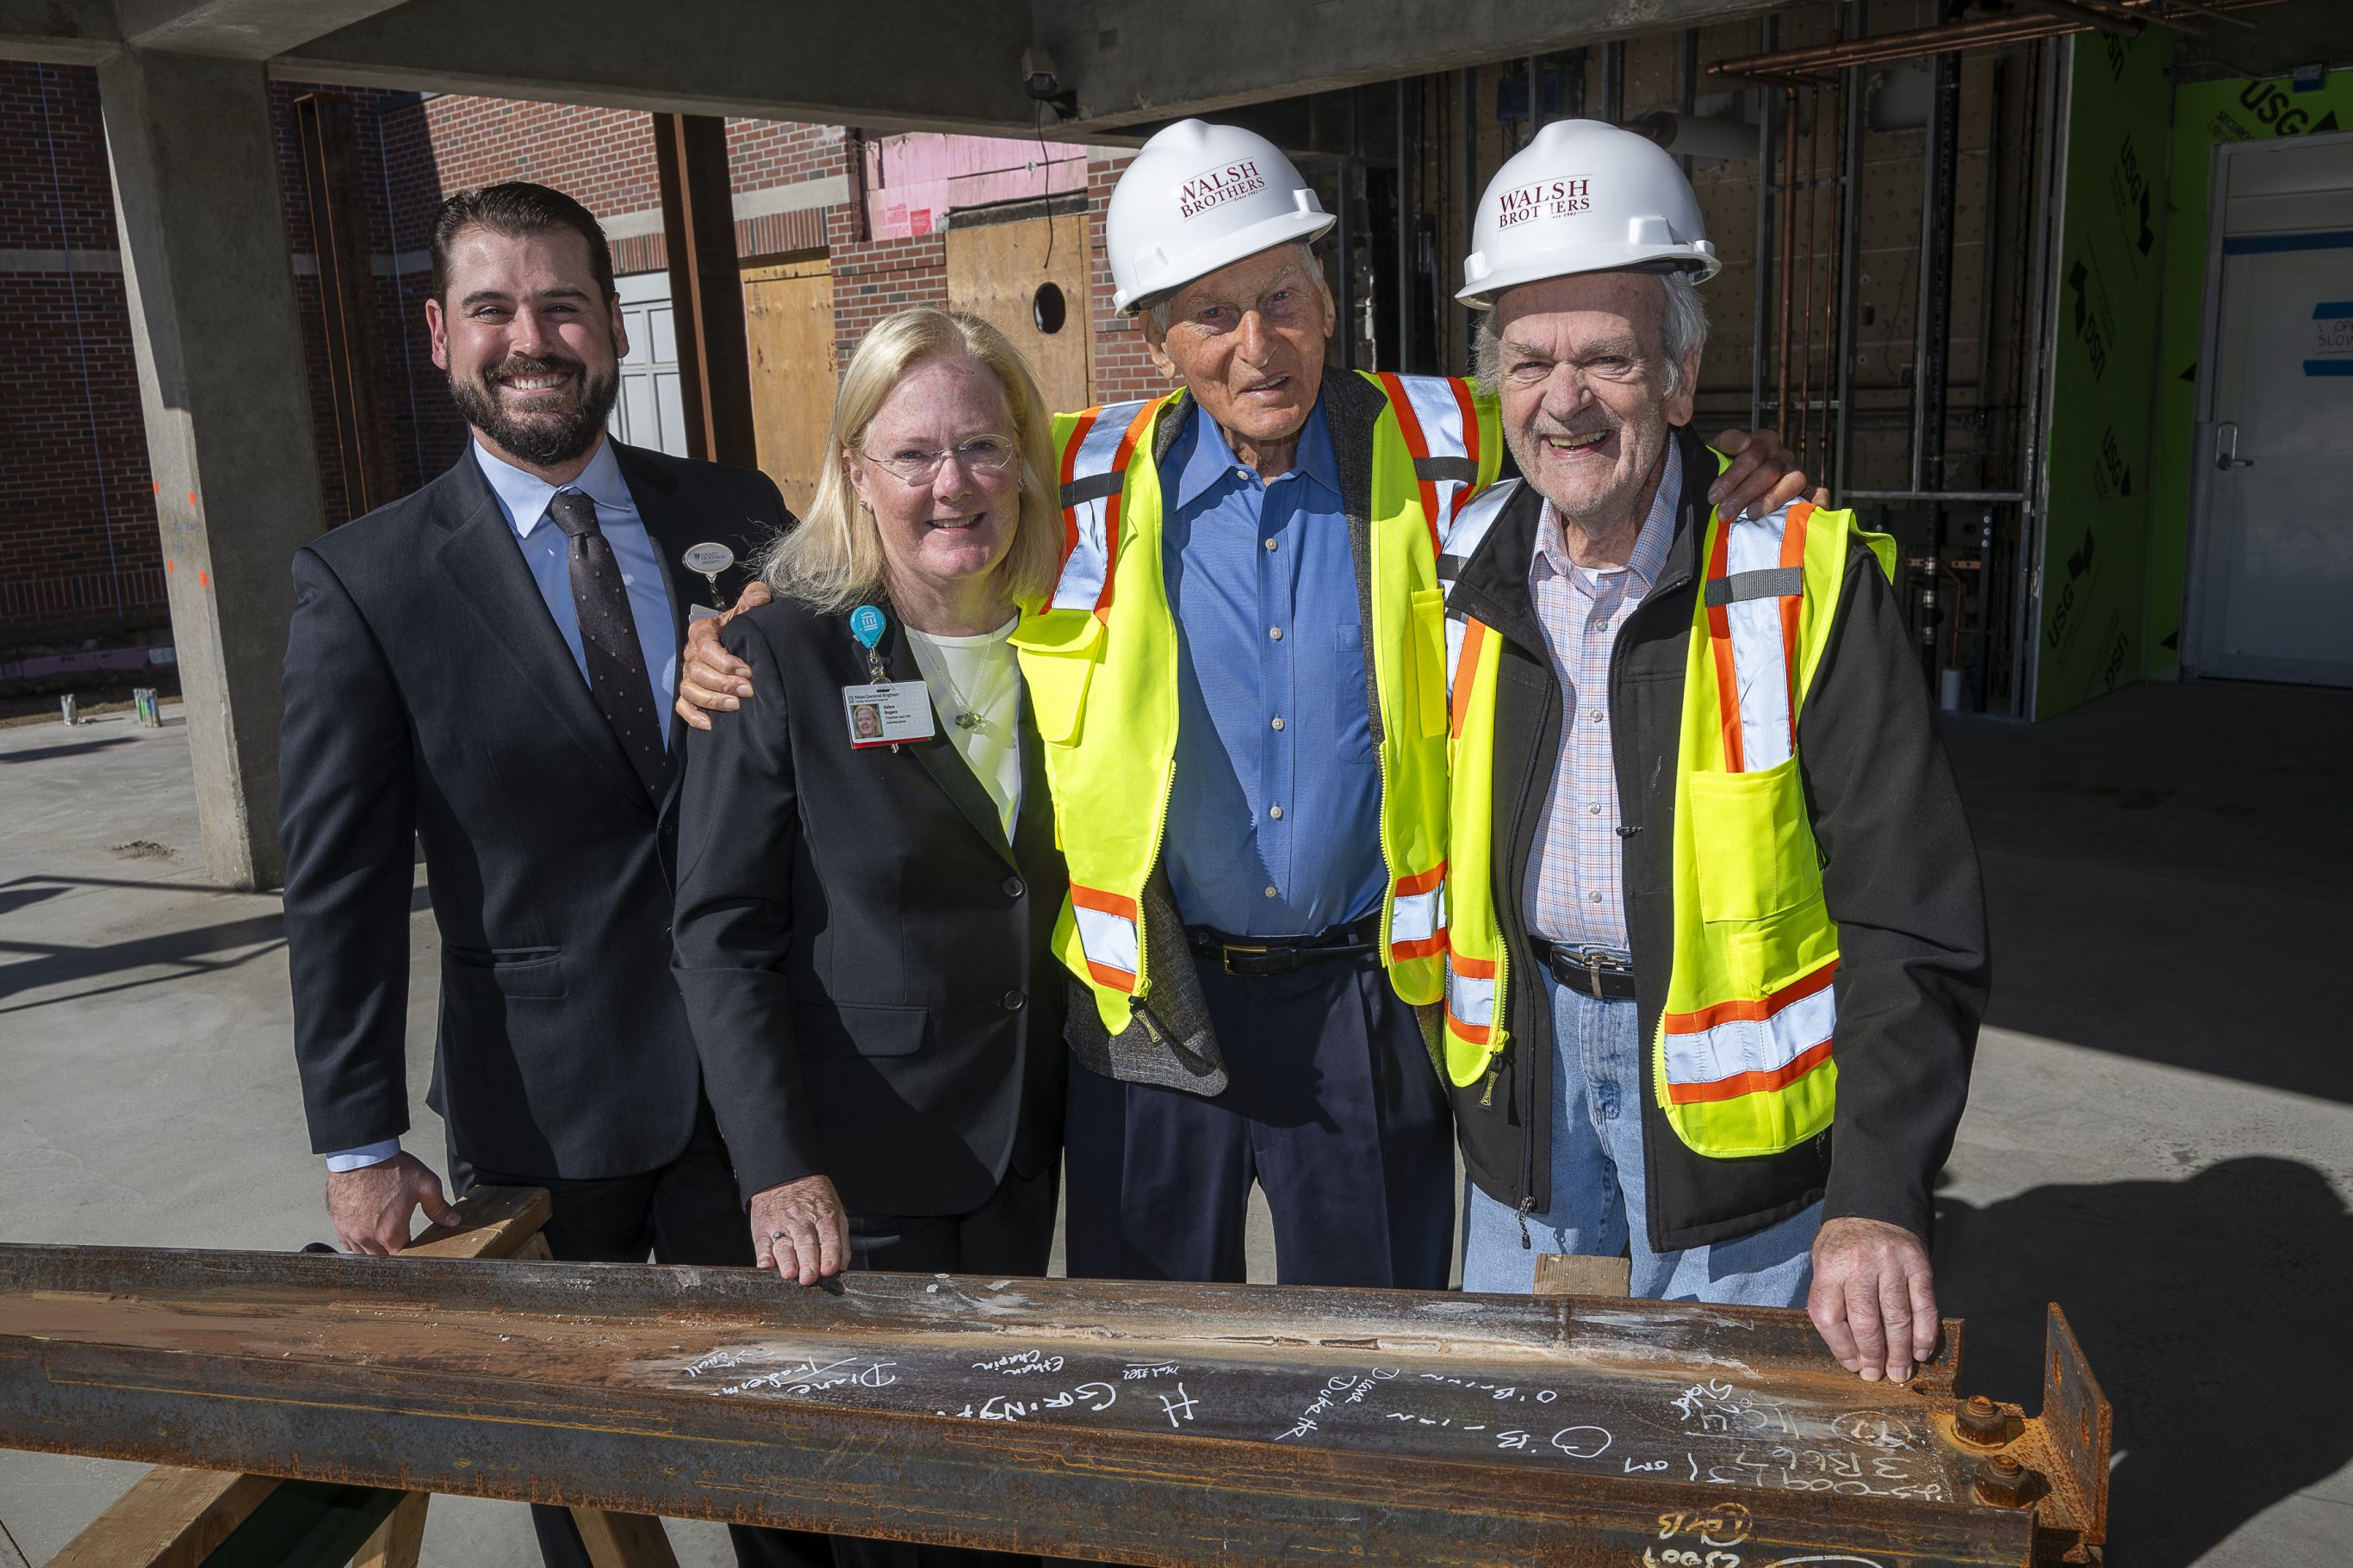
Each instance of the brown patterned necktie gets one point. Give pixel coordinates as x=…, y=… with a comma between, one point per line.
x=608, y=635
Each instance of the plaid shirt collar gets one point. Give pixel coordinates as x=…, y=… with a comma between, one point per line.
x=1650, y=553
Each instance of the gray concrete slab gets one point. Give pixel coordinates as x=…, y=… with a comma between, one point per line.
x=2160, y=1134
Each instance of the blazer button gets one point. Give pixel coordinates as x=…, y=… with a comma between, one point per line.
x=1013, y=887
x=1013, y=1000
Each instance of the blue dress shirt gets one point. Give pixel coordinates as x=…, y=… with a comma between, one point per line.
x=1274, y=820
x=523, y=499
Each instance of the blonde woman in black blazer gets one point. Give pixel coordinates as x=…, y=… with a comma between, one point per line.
x=863, y=932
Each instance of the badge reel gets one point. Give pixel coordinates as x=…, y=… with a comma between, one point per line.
x=884, y=712
x=710, y=560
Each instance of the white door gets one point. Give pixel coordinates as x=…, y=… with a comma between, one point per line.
x=2271, y=596
x=649, y=411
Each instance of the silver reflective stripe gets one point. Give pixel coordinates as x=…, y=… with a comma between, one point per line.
x=1461, y=470
x=1091, y=486
x=1773, y=583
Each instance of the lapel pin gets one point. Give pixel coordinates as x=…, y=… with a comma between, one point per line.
x=710, y=560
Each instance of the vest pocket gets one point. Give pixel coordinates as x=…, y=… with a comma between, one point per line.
x=1057, y=660
x=1429, y=671
x=1752, y=846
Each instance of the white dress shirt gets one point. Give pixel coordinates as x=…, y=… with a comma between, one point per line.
x=523, y=498
x=980, y=676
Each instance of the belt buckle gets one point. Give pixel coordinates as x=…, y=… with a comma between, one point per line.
x=1226, y=951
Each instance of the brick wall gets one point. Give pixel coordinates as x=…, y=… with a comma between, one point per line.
x=872, y=278
x=1120, y=365
x=77, y=544
x=78, y=552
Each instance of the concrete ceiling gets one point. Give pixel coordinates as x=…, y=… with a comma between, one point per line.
x=886, y=64
x=953, y=65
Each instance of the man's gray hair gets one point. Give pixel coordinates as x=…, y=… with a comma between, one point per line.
x=1305, y=255
x=1683, y=327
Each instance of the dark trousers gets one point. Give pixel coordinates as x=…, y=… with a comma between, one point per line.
x=1331, y=1105
x=686, y=1212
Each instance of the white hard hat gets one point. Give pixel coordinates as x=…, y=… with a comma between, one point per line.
x=1198, y=198
x=1583, y=197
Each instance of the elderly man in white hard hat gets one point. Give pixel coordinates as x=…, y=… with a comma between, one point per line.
x=1240, y=681
x=1716, y=946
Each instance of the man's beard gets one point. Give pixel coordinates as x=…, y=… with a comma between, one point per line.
x=542, y=439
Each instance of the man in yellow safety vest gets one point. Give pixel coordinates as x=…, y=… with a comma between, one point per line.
x=1240, y=681
x=1715, y=944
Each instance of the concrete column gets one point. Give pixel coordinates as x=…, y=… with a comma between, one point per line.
x=225, y=389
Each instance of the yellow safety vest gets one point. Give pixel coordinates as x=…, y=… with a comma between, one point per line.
x=1099, y=653
x=1741, y=1061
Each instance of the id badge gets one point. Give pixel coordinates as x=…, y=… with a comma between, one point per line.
x=887, y=714
x=701, y=613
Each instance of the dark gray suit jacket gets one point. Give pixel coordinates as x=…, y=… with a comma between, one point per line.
x=429, y=698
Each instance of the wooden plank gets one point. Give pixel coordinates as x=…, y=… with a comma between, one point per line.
x=788, y=332
x=174, y=1518
x=624, y=1539
x=1566, y=1274
x=492, y=1222
x=169, y=1519
x=399, y=1538
x=995, y=271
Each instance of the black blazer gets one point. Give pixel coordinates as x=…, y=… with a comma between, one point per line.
x=868, y=964
x=429, y=698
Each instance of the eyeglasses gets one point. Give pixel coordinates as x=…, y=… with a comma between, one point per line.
x=914, y=465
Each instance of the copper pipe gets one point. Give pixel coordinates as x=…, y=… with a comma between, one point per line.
x=1789, y=253
x=1806, y=320
x=1992, y=33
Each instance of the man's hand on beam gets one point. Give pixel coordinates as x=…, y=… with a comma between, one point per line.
x=1873, y=1298
x=371, y=1207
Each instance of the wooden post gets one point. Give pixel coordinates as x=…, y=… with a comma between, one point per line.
x=706, y=290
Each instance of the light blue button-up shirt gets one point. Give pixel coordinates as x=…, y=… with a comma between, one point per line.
x=523, y=498
x=1274, y=822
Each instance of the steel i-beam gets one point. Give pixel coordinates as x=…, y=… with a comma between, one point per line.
x=1148, y=1424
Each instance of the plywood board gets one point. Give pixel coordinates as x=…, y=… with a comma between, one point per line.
x=788, y=328
x=995, y=271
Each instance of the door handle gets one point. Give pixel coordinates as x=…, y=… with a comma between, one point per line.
x=2226, y=447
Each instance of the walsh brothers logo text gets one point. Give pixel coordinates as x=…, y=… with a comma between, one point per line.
x=1546, y=199
x=1218, y=186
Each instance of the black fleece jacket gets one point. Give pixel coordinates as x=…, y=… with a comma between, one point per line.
x=1899, y=872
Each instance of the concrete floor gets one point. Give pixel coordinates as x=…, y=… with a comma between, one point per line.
x=2160, y=1134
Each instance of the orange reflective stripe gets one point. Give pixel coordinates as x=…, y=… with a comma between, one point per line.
x=1793, y=555
x=1477, y=1034
x=1719, y=639
x=1733, y=1088
x=1466, y=674
x=1422, y=881
x=1749, y=1010
x=1070, y=470
x=1415, y=443
x=1473, y=968
x=1461, y=391
x=1135, y=429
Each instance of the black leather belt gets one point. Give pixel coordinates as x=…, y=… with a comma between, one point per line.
x=1261, y=955
x=1603, y=975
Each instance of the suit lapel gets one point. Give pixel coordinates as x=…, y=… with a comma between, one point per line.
x=488, y=571
x=939, y=756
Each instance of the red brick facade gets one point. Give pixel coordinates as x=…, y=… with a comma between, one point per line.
x=78, y=550
x=78, y=554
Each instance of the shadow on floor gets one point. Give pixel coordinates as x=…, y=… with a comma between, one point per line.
x=2214, y=1312
x=2160, y=867
x=64, y=749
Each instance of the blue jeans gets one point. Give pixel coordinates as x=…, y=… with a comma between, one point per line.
x=1598, y=1206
